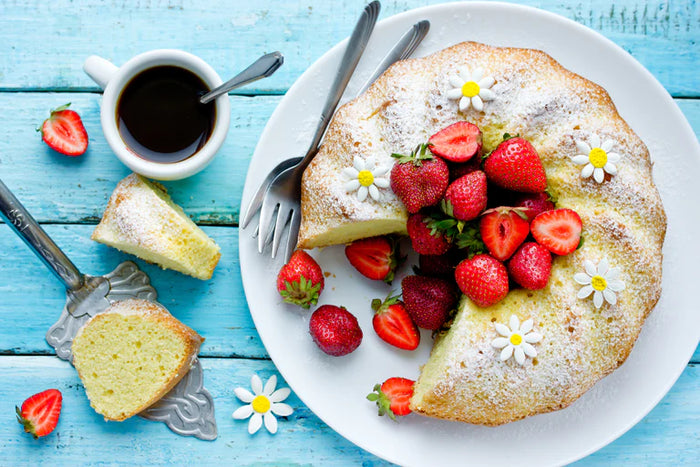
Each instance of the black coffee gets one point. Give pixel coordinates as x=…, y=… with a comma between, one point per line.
x=159, y=115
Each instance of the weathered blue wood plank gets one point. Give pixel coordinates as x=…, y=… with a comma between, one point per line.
x=668, y=435
x=56, y=188
x=32, y=298
x=46, y=50
x=83, y=436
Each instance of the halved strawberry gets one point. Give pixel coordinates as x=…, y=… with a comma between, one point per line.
x=393, y=397
x=64, y=132
x=375, y=258
x=458, y=142
x=39, y=414
x=503, y=230
x=392, y=323
x=559, y=230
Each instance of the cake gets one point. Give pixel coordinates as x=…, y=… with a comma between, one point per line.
x=142, y=220
x=535, y=351
x=131, y=355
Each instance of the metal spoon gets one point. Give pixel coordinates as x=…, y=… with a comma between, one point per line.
x=262, y=68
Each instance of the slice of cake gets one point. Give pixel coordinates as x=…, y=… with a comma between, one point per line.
x=141, y=219
x=131, y=355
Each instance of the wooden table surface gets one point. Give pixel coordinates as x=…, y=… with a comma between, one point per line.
x=42, y=47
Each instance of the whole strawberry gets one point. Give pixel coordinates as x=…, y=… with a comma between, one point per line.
x=64, y=132
x=393, y=397
x=393, y=324
x=335, y=330
x=428, y=300
x=535, y=203
x=419, y=180
x=483, y=279
x=39, y=414
x=300, y=281
x=530, y=266
x=467, y=195
x=426, y=241
x=515, y=165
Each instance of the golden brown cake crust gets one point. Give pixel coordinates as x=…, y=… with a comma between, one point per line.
x=155, y=312
x=623, y=221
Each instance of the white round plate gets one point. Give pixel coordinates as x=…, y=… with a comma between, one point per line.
x=335, y=388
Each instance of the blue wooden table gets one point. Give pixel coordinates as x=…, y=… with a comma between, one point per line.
x=42, y=47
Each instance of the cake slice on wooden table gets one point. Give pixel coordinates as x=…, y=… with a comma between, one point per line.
x=142, y=220
x=131, y=355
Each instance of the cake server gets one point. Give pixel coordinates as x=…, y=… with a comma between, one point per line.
x=188, y=409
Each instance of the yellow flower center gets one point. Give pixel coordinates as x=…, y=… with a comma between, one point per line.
x=599, y=283
x=470, y=89
x=516, y=339
x=365, y=178
x=261, y=404
x=598, y=158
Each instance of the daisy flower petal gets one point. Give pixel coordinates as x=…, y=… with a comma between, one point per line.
x=280, y=395
x=506, y=353
x=610, y=168
x=532, y=337
x=486, y=82
x=603, y=267
x=499, y=342
x=607, y=145
x=487, y=95
x=514, y=323
x=616, y=285
x=582, y=278
x=587, y=171
x=281, y=409
x=362, y=193
x=373, y=192
x=598, y=175
x=580, y=159
x=256, y=384
x=614, y=157
x=477, y=75
x=529, y=350
x=609, y=296
x=270, y=422
x=455, y=93
x=358, y=164
x=502, y=329
x=352, y=185
x=526, y=326
x=590, y=268
x=598, y=299
x=478, y=103
x=255, y=423
x=270, y=385
x=464, y=103
x=519, y=355
x=382, y=182
x=244, y=395
x=464, y=74
x=243, y=412
x=583, y=148
x=350, y=172
x=595, y=140
x=585, y=291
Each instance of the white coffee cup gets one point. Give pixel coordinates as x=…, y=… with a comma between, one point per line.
x=113, y=80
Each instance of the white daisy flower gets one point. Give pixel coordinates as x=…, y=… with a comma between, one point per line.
x=472, y=89
x=596, y=158
x=366, y=177
x=602, y=281
x=262, y=404
x=516, y=340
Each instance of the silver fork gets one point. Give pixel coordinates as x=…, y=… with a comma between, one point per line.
x=283, y=194
x=402, y=50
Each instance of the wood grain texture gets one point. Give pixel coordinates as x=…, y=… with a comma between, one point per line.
x=230, y=35
x=302, y=439
x=76, y=190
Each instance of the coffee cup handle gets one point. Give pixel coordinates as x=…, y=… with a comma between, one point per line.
x=99, y=69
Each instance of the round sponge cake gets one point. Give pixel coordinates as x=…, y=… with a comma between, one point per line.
x=588, y=317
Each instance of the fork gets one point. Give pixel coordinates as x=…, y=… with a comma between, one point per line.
x=284, y=193
x=403, y=49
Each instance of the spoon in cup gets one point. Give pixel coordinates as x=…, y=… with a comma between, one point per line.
x=262, y=68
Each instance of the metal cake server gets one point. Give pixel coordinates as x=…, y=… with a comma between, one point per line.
x=188, y=409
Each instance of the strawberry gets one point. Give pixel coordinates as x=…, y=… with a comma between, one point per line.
x=419, y=180
x=335, y=330
x=39, y=414
x=428, y=300
x=458, y=142
x=530, y=266
x=393, y=397
x=300, y=281
x=483, y=279
x=426, y=241
x=64, y=132
x=503, y=230
x=375, y=258
x=467, y=195
x=559, y=230
x=535, y=203
x=393, y=325
x=515, y=165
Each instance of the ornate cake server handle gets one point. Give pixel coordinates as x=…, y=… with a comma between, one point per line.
x=29, y=230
